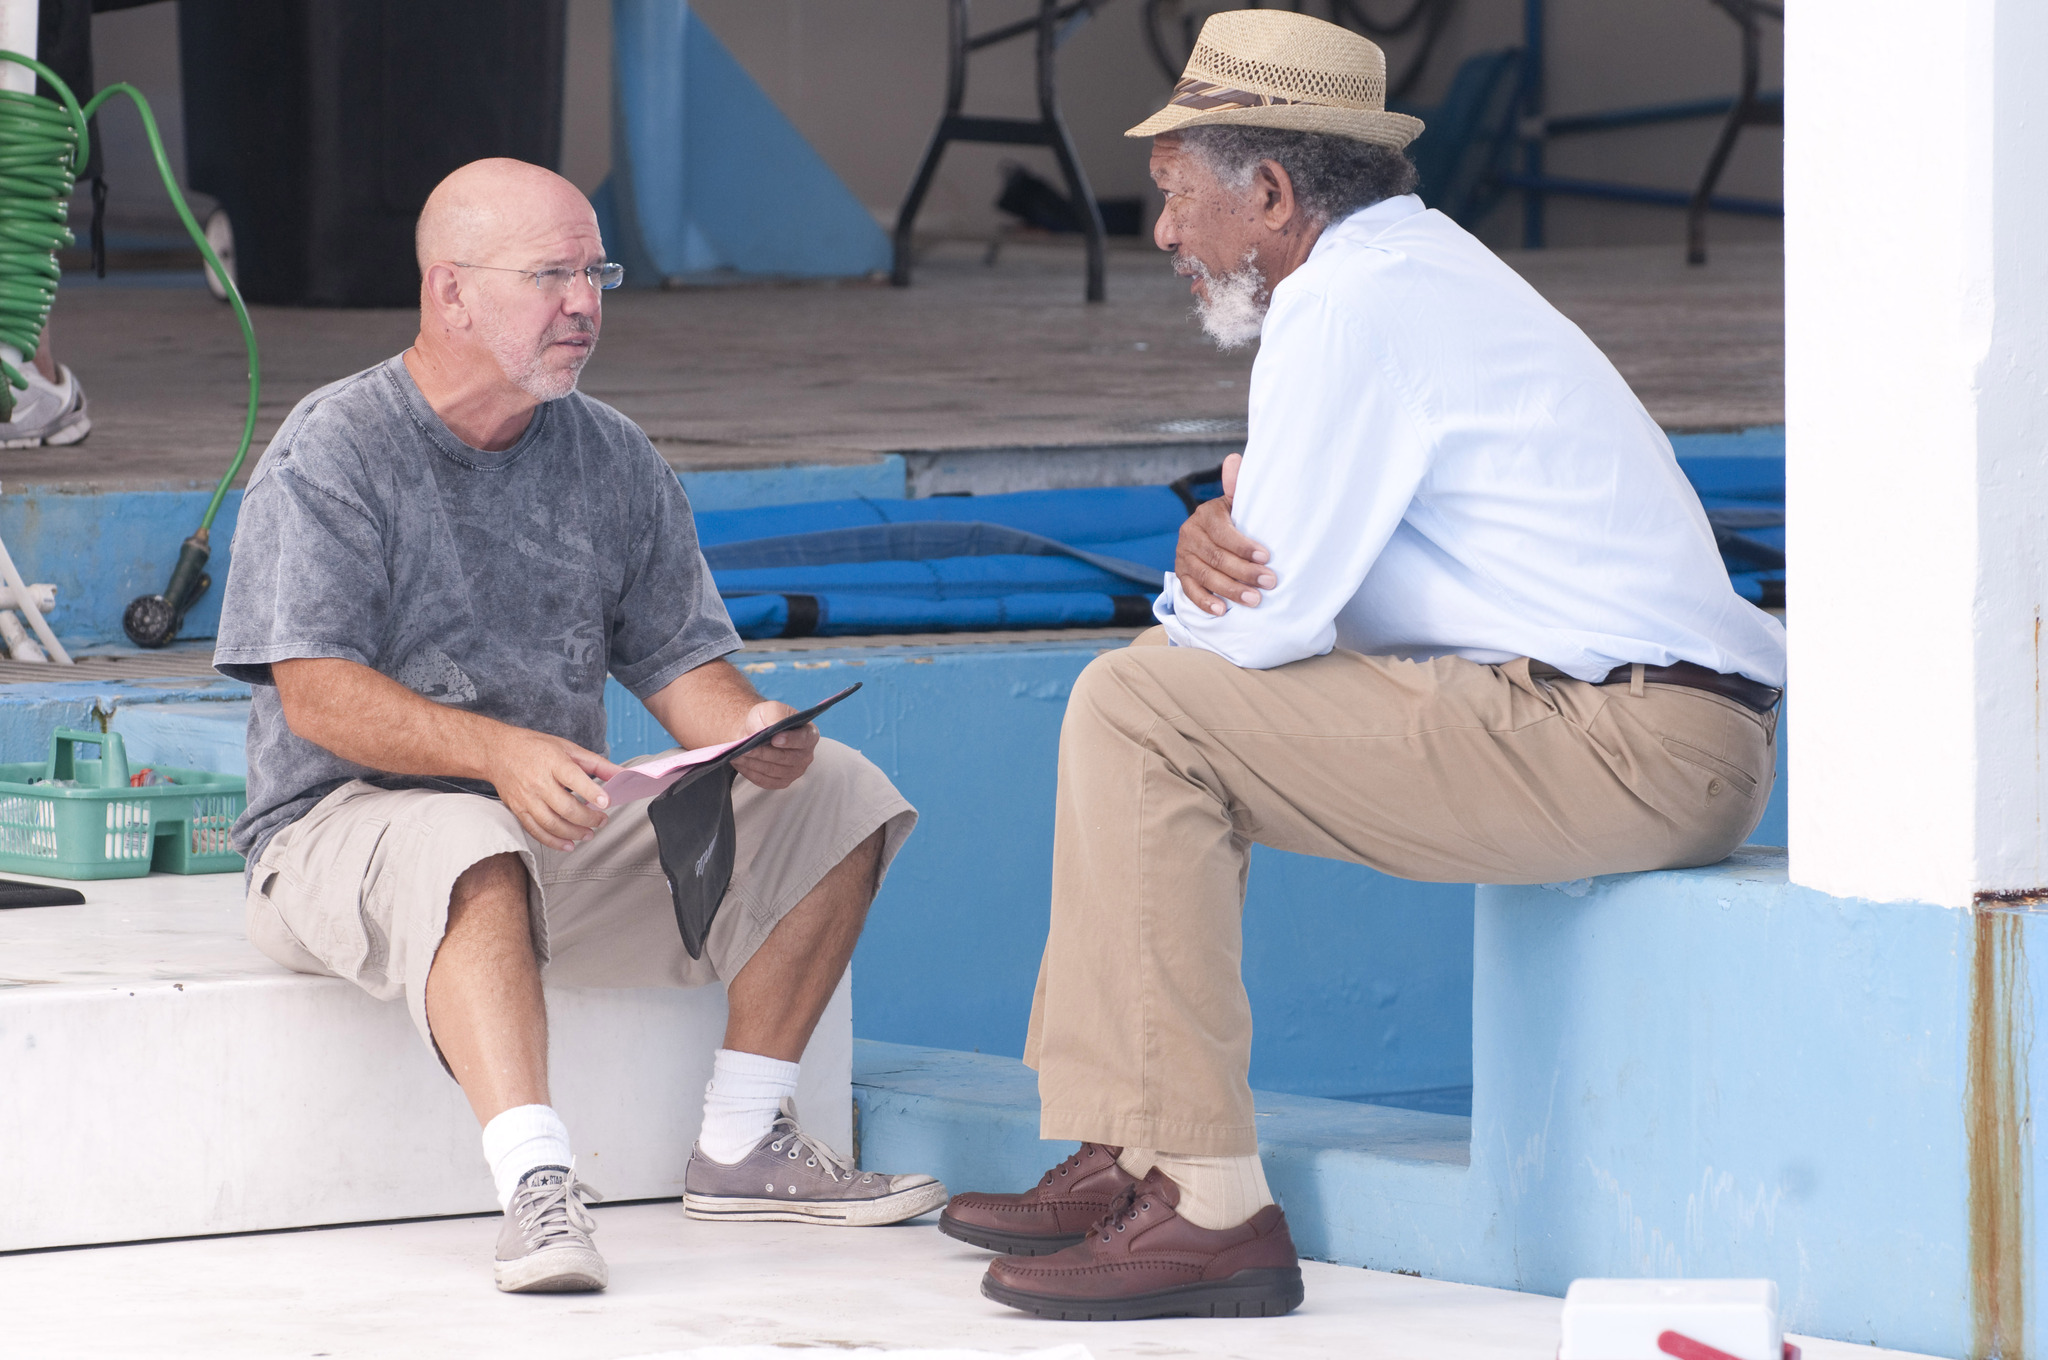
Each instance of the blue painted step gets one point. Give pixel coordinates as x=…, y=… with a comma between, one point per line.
x=1362, y=1184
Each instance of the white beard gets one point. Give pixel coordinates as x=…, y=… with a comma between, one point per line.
x=526, y=366
x=1233, y=306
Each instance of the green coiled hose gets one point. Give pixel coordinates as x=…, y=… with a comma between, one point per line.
x=43, y=143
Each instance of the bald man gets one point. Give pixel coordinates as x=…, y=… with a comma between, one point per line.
x=438, y=562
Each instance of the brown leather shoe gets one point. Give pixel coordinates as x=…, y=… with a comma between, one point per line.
x=1052, y=1214
x=1143, y=1260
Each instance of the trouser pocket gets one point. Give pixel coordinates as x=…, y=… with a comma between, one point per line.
x=1722, y=776
x=319, y=892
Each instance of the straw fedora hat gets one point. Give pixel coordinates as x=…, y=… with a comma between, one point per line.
x=1274, y=68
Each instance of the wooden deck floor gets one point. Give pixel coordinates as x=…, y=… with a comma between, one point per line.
x=973, y=356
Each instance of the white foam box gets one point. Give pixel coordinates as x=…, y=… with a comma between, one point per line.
x=1673, y=1320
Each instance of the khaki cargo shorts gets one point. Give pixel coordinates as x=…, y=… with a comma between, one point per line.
x=358, y=887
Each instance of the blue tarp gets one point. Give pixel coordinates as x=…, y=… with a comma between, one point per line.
x=1028, y=559
x=1122, y=521
x=1089, y=557
x=1745, y=501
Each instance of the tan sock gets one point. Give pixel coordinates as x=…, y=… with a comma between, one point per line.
x=1216, y=1192
x=1137, y=1161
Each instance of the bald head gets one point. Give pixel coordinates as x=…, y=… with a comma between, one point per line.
x=496, y=207
x=509, y=301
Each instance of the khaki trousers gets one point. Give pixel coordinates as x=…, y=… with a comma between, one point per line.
x=1174, y=762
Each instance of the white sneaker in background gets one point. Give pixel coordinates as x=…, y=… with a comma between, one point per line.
x=48, y=413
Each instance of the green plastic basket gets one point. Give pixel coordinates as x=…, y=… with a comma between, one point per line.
x=104, y=828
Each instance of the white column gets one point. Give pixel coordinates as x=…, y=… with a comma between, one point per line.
x=18, y=34
x=1916, y=262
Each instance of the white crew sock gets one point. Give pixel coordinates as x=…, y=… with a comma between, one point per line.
x=740, y=1102
x=1217, y=1192
x=520, y=1139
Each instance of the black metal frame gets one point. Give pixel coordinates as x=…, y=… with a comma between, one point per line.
x=1748, y=108
x=1053, y=25
x=1749, y=111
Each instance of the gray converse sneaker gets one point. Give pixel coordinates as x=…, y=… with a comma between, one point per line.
x=545, y=1247
x=790, y=1177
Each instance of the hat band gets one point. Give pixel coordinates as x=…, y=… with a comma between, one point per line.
x=1203, y=95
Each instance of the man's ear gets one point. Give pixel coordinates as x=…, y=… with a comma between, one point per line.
x=443, y=290
x=1275, y=190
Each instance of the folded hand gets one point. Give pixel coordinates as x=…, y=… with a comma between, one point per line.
x=1215, y=563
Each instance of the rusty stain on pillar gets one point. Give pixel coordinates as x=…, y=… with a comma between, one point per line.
x=1995, y=1110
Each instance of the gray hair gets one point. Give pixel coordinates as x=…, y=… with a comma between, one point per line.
x=1333, y=176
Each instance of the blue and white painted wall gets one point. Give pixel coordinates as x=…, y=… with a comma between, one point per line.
x=708, y=176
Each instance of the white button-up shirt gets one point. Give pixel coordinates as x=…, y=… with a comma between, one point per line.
x=1441, y=464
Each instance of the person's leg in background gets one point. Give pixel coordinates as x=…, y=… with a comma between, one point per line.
x=53, y=410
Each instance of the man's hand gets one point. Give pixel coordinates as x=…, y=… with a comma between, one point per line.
x=367, y=718
x=715, y=703
x=1214, y=562
x=787, y=754
x=548, y=783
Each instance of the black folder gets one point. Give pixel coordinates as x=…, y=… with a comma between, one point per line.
x=694, y=832
x=15, y=893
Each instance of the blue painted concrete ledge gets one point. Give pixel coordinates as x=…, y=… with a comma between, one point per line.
x=1698, y=1073
x=101, y=549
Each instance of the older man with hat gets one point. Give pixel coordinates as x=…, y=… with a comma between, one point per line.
x=1459, y=616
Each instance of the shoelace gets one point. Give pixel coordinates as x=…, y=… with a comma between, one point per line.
x=834, y=1166
x=1068, y=1166
x=1130, y=1201
x=549, y=1214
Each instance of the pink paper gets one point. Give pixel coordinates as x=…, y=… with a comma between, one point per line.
x=649, y=778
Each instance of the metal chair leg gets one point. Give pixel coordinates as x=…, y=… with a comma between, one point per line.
x=1078, y=190
x=906, y=218
x=1739, y=117
x=1091, y=214
x=958, y=24
x=1055, y=20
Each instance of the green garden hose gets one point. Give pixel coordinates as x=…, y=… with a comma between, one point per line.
x=43, y=143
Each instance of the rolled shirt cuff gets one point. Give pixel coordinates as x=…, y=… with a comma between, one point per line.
x=1166, y=609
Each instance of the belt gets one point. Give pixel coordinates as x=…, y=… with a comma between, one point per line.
x=1740, y=688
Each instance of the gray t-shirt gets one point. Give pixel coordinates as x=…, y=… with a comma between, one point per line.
x=506, y=583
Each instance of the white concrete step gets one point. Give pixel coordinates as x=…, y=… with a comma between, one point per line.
x=406, y=1290
x=160, y=1078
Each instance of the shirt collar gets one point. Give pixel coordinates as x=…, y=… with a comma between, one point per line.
x=437, y=432
x=1368, y=222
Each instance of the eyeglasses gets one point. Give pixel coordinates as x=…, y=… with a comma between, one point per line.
x=600, y=276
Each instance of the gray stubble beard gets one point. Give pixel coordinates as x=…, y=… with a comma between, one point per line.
x=527, y=367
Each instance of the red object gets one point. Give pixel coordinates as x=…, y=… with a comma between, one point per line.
x=140, y=779
x=1685, y=1348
